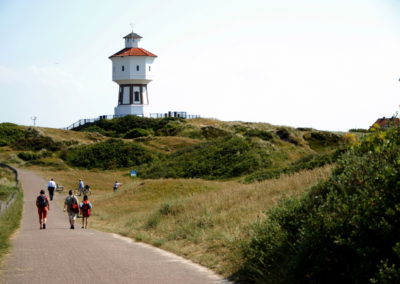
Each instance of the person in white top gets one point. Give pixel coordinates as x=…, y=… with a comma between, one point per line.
x=81, y=186
x=51, y=186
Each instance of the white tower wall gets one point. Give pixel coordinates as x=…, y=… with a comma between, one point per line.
x=132, y=71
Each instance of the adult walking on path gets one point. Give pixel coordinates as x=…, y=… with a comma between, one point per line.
x=51, y=186
x=107, y=259
x=43, y=206
x=71, y=204
x=81, y=186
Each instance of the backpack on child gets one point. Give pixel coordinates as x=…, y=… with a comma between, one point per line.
x=86, y=209
x=42, y=201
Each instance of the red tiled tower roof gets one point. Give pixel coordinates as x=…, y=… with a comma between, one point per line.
x=134, y=51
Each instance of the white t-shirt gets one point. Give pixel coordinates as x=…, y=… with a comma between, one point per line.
x=52, y=183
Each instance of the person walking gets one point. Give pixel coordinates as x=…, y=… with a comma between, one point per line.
x=116, y=185
x=71, y=204
x=85, y=207
x=51, y=186
x=43, y=206
x=81, y=186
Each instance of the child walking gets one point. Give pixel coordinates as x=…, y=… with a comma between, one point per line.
x=85, y=207
x=43, y=206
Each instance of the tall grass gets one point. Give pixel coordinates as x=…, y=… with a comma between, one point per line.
x=205, y=221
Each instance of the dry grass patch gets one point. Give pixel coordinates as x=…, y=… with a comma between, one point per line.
x=167, y=144
x=68, y=135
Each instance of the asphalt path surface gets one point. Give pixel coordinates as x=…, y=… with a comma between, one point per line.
x=61, y=255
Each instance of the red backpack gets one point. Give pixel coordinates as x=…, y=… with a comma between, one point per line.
x=85, y=208
x=74, y=205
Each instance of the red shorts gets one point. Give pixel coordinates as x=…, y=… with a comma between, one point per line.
x=43, y=212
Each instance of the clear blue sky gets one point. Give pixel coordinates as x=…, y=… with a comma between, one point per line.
x=326, y=64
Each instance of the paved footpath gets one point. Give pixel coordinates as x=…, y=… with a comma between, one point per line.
x=61, y=255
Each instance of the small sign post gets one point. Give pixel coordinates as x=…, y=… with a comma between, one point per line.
x=133, y=173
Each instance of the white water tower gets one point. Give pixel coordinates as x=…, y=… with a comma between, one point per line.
x=132, y=69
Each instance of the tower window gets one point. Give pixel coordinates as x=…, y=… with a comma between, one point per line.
x=149, y=68
x=137, y=98
x=123, y=68
x=137, y=67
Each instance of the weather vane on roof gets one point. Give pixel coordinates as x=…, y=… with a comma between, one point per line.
x=131, y=24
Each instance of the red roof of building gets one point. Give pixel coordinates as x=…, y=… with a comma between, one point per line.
x=134, y=51
x=386, y=122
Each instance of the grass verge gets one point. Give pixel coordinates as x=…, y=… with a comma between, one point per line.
x=10, y=220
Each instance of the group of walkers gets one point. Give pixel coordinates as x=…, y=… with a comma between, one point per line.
x=71, y=205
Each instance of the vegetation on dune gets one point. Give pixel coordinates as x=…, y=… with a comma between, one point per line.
x=110, y=154
x=218, y=158
x=9, y=133
x=308, y=162
x=123, y=126
x=345, y=230
x=222, y=150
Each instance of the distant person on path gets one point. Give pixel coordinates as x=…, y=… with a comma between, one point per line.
x=85, y=207
x=43, y=206
x=71, y=204
x=81, y=186
x=116, y=185
x=51, y=186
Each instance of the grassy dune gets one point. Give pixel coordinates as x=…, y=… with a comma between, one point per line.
x=205, y=221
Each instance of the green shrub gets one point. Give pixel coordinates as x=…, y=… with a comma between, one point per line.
x=264, y=135
x=304, y=129
x=119, y=127
x=111, y=154
x=95, y=128
x=320, y=140
x=32, y=140
x=359, y=130
x=171, y=128
x=345, y=230
x=211, y=132
x=285, y=135
x=9, y=133
x=28, y=156
x=219, y=158
x=308, y=162
x=138, y=132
